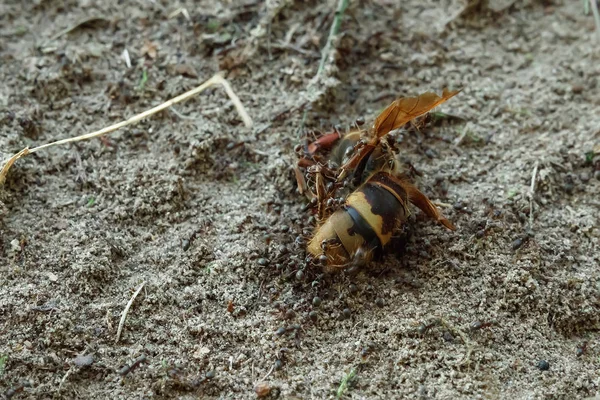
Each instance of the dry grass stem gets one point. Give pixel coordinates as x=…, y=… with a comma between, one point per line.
x=325, y=53
x=594, y=7
x=531, y=193
x=215, y=80
x=126, y=310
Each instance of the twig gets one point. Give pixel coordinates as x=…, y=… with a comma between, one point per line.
x=268, y=373
x=531, y=193
x=128, y=368
x=594, y=7
x=64, y=378
x=335, y=27
x=78, y=24
x=126, y=310
x=215, y=80
x=467, y=357
x=180, y=10
x=180, y=115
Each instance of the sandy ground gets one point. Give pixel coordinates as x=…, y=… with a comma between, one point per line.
x=204, y=211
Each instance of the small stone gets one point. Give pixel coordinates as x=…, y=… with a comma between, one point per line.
x=210, y=374
x=480, y=233
x=353, y=288
x=597, y=175
x=280, y=331
x=543, y=365
x=83, y=360
x=289, y=314
x=185, y=244
x=347, y=313
x=579, y=352
x=284, y=228
x=448, y=336
x=316, y=301
x=262, y=262
x=262, y=389
x=15, y=245
x=459, y=205
x=313, y=316
x=577, y=89
x=431, y=153
x=584, y=176
x=300, y=275
x=379, y=302
x=516, y=244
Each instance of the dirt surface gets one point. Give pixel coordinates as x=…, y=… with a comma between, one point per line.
x=204, y=211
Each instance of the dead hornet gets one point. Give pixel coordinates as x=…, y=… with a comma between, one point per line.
x=351, y=231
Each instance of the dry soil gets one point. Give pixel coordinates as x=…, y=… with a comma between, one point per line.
x=204, y=211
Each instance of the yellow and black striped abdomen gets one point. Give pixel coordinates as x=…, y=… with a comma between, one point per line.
x=380, y=204
x=364, y=225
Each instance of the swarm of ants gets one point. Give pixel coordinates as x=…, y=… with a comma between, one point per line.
x=357, y=189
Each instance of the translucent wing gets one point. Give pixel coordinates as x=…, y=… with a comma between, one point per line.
x=406, y=109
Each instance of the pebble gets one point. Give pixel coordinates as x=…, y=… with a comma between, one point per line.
x=379, y=302
x=313, y=315
x=543, y=365
x=577, y=89
x=280, y=331
x=289, y=314
x=300, y=275
x=316, y=301
x=516, y=244
x=347, y=313
x=431, y=153
x=210, y=374
x=83, y=361
x=597, y=175
x=448, y=336
x=353, y=288
x=584, y=176
x=262, y=389
x=459, y=205
x=263, y=262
